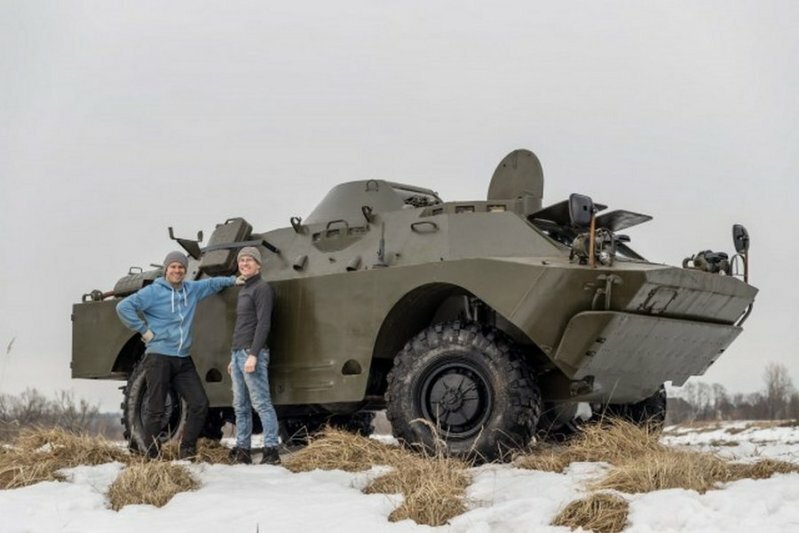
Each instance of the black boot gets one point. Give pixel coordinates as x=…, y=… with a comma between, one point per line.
x=271, y=456
x=188, y=453
x=240, y=456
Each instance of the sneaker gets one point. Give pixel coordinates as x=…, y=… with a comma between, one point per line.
x=240, y=456
x=271, y=456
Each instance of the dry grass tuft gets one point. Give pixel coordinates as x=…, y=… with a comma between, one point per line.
x=208, y=451
x=433, y=486
x=150, y=482
x=335, y=449
x=642, y=464
x=666, y=469
x=699, y=471
x=612, y=442
x=600, y=512
x=38, y=454
x=545, y=459
x=763, y=469
x=433, y=501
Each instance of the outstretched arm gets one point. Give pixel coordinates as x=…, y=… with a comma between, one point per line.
x=208, y=286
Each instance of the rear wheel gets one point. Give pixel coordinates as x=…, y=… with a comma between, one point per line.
x=649, y=412
x=471, y=386
x=561, y=421
x=134, y=405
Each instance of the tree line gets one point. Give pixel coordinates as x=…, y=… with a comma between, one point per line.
x=32, y=409
x=778, y=399
x=695, y=401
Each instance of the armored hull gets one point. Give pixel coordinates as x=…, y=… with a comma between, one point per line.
x=377, y=264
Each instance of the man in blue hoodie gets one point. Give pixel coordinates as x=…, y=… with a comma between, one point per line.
x=162, y=313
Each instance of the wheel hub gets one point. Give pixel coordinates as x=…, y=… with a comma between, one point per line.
x=456, y=397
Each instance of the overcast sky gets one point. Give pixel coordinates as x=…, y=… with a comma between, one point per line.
x=118, y=119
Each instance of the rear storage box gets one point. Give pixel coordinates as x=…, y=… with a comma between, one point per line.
x=223, y=261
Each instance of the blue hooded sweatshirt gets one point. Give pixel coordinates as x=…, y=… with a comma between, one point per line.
x=168, y=312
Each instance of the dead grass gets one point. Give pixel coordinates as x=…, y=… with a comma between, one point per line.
x=763, y=469
x=38, y=454
x=208, y=451
x=612, y=442
x=433, y=486
x=641, y=464
x=334, y=449
x=600, y=512
x=545, y=459
x=150, y=482
x=666, y=469
x=699, y=471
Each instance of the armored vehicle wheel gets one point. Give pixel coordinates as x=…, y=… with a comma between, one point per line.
x=560, y=422
x=471, y=384
x=133, y=405
x=650, y=412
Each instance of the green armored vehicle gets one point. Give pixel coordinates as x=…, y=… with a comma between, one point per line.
x=479, y=322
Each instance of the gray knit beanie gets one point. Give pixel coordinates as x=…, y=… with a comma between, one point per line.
x=176, y=257
x=251, y=251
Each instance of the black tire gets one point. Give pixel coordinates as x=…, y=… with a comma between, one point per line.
x=649, y=412
x=172, y=422
x=552, y=427
x=471, y=384
x=214, y=422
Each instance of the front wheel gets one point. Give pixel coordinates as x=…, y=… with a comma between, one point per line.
x=466, y=384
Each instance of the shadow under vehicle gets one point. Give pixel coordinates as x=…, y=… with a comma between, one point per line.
x=489, y=319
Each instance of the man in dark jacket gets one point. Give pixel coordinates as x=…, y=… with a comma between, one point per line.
x=250, y=360
x=162, y=313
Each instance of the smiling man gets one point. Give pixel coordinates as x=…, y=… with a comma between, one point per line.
x=250, y=360
x=163, y=313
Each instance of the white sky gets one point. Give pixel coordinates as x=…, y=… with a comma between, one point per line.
x=118, y=119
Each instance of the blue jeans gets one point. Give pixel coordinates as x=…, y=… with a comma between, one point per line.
x=251, y=391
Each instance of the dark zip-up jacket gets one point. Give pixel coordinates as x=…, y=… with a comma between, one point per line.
x=253, y=315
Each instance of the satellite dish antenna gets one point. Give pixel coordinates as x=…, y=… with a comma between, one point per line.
x=518, y=175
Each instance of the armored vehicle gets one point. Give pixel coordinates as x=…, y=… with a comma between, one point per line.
x=474, y=322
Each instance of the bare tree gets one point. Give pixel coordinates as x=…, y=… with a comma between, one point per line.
x=779, y=388
x=33, y=409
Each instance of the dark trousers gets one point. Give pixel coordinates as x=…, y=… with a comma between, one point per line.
x=163, y=372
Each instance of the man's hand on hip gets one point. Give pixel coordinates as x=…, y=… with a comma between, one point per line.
x=249, y=365
x=147, y=336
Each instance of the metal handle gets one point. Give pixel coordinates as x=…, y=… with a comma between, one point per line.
x=338, y=221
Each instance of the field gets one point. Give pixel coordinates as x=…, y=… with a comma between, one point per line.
x=498, y=497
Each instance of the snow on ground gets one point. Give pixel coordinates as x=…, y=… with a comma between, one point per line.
x=501, y=498
x=744, y=440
